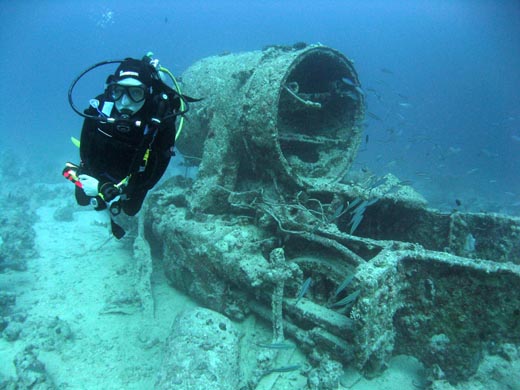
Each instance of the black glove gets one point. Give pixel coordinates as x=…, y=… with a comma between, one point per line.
x=108, y=191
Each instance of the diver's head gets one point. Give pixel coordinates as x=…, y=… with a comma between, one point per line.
x=129, y=95
x=129, y=86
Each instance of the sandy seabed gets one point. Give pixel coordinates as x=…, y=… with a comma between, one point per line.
x=89, y=333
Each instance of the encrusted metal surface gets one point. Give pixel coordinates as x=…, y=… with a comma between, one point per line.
x=252, y=228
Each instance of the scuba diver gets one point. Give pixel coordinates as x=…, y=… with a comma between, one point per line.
x=127, y=137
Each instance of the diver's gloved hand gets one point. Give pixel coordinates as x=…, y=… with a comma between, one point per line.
x=109, y=191
x=89, y=184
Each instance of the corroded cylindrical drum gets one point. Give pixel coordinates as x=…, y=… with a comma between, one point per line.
x=296, y=111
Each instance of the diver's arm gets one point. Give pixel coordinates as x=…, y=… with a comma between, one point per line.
x=85, y=148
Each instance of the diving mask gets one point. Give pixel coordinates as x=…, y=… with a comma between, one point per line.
x=136, y=93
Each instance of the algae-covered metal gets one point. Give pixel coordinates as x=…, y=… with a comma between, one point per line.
x=440, y=286
x=291, y=113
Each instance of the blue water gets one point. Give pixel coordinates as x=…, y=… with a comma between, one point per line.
x=442, y=77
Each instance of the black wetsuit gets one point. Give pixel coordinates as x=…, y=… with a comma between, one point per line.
x=112, y=152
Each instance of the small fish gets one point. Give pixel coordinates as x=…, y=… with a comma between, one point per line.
x=405, y=105
x=347, y=300
x=303, y=290
x=487, y=153
x=359, y=90
x=377, y=182
x=454, y=149
x=348, y=81
x=372, y=201
x=275, y=345
x=354, y=203
x=373, y=116
x=344, y=284
x=358, y=213
x=282, y=369
x=376, y=94
x=386, y=70
x=458, y=202
x=360, y=209
x=337, y=213
x=351, y=95
x=356, y=220
x=366, y=139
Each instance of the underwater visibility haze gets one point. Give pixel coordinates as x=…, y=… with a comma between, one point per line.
x=440, y=77
x=415, y=265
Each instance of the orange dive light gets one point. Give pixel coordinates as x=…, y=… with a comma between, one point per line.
x=70, y=173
